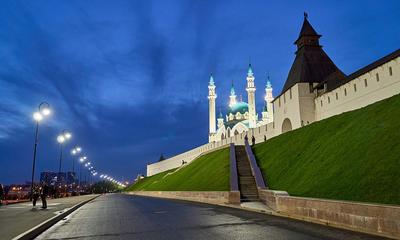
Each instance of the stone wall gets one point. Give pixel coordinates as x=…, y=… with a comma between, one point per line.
x=378, y=84
x=266, y=130
x=376, y=219
x=214, y=197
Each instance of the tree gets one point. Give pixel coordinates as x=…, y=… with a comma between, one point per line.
x=103, y=187
x=162, y=158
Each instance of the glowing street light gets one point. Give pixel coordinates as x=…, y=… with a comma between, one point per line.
x=74, y=152
x=44, y=110
x=82, y=160
x=64, y=136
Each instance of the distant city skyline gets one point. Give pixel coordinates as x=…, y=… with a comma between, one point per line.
x=129, y=79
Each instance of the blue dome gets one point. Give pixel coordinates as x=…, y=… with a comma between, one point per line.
x=241, y=107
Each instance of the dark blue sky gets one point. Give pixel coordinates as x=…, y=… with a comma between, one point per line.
x=129, y=78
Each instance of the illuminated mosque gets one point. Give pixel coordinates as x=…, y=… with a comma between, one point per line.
x=241, y=116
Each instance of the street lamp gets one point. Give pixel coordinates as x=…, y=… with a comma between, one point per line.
x=82, y=160
x=74, y=152
x=44, y=110
x=64, y=136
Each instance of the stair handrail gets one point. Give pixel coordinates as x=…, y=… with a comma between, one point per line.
x=233, y=169
x=254, y=166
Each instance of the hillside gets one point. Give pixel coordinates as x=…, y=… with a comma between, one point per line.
x=209, y=172
x=352, y=156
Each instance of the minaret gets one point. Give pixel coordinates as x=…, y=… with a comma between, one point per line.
x=251, y=92
x=211, y=99
x=232, y=97
x=268, y=101
x=220, y=120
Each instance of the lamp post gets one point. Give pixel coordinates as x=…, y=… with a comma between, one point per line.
x=44, y=110
x=64, y=136
x=82, y=160
x=74, y=152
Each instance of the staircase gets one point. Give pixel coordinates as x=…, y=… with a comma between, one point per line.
x=247, y=184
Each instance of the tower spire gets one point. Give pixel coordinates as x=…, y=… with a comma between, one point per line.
x=211, y=82
x=250, y=70
x=232, y=97
x=307, y=36
x=268, y=85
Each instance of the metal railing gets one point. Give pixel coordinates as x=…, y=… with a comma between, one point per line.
x=254, y=167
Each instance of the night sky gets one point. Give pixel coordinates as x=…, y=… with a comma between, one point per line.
x=129, y=78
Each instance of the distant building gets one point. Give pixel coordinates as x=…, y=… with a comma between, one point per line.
x=52, y=177
x=48, y=177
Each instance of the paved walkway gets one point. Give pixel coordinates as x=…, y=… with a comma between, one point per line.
x=18, y=218
x=120, y=216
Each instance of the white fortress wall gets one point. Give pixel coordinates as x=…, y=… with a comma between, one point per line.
x=176, y=161
x=302, y=107
x=286, y=106
x=368, y=88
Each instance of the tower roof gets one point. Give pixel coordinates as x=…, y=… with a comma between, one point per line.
x=250, y=71
x=268, y=85
x=211, y=80
x=307, y=29
x=220, y=114
x=232, y=90
x=312, y=64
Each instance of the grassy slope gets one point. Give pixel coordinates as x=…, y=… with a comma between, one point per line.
x=207, y=173
x=353, y=156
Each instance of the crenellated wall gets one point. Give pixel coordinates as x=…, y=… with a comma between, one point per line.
x=375, y=85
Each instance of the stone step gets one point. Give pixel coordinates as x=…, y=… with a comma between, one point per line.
x=247, y=188
x=247, y=184
x=249, y=191
x=249, y=194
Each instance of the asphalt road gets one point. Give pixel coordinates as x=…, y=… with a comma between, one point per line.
x=119, y=216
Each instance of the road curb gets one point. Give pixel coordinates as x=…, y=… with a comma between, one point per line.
x=38, y=229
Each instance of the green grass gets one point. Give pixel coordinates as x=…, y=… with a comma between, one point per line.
x=207, y=173
x=352, y=156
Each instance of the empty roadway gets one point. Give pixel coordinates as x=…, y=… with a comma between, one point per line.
x=120, y=216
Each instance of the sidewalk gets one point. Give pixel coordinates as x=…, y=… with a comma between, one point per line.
x=9, y=202
x=18, y=218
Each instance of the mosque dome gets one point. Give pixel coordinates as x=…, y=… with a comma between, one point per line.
x=241, y=107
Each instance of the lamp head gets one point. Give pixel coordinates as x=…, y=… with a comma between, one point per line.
x=60, y=139
x=37, y=116
x=45, y=111
x=67, y=135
